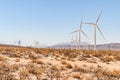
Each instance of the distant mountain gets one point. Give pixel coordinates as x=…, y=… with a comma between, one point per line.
x=84, y=45
x=73, y=43
x=7, y=45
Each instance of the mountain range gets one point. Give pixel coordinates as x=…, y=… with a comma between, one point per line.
x=84, y=45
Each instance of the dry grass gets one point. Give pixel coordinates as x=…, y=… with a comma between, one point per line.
x=76, y=75
x=2, y=58
x=30, y=64
x=63, y=62
x=113, y=73
x=69, y=66
x=24, y=73
x=38, y=61
x=17, y=60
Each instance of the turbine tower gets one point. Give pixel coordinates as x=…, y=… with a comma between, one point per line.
x=36, y=43
x=95, y=25
x=19, y=43
x=79, y=37
x=73, y=41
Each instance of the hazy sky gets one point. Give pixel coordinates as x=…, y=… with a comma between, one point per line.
x=51, y=21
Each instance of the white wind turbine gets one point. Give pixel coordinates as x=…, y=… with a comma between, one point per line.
x=95, y=25
x=74, y=40
x=79, y=31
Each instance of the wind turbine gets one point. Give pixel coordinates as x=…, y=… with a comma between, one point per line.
x=19, y=43
x=79, y=31
x=74, y=40
x=95, y=25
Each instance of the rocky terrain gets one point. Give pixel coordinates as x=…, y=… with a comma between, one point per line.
x=17, y=63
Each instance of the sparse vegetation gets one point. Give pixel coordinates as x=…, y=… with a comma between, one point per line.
x=59, y=64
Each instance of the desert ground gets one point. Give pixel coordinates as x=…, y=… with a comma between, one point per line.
x=17, y=63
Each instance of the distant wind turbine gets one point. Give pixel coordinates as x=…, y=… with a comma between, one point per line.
x=74, y=40
x=79, y=31
x=95, y=25
x=19, y=43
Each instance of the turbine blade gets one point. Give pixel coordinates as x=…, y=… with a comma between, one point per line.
x=81, y=24
x=89, y=23
x=84, y=34
x=75, y=31
x=98, y=17
x=101, y=32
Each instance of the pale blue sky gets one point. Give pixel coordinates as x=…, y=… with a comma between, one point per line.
x=51, y=21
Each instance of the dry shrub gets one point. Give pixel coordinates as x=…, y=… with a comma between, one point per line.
x=72, y=55
x=63, y=67
x=13, y=67
x=57, y=54
x=2, y=58
x=54, y=67
x=113, y=73
x=66, y=53
x=64, y=62
x=6, y=67
x=73, y=60
x=107, y=58
x=92, y=61
x=17, y=54
x=38, y=61
x=83, y=69
x=65, y=78
x=38, y=70
x=24, y=73
x=33, y=56
x=76, y=68
x=76, y=75
x=117, y=57
x=69, y=66
x=99, y=73
x=63, y=58
x=17, y=60
x=53, y=72
x=38, y=51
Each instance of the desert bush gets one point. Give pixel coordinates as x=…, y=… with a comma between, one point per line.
x=17, y=54
x=76, y=75
x=33, y=56
x=69, y=66
x=17, y=60
x=38, y=70
x=106, y=58
x=2, y=58
x=63, y=68
x=53, y=72
x=63, y=62
x=24, y=73
x=76, y=68
x=72, y=55
x=99, y=73
x=113, y=73
x=38, y=61
x=65, y=78
x=8, y=53
x=63, y=58
x=7, y=67
x=38, y=51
